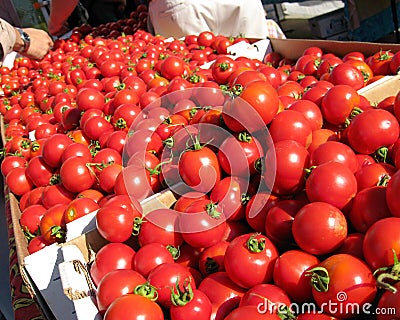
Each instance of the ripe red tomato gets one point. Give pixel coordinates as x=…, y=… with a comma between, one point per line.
x=11, y=162
x=291, y=125
x=334, y=151
x=78, y=208
x=115, y=284
x=351, y=283
x=332, y=228
x=195, y=304
x=222, y=68
x=110, y=257
x=53, y=149
x=172, y=67
x=347, y=74
x=161, y=226
x=169, y=276
x=18, y=181
x=333, y=183
x=268, y=297
x=202, y=224
x=292, y=159
x=149, y=256
x=76, y=174
x=388, y=303
x=52, y=225
x=371, y=130
x=338, y=103
x=381, y=242
x=133, y=307
x=290, y=274
x=88, y=98
x=199, y=168
x=251, y=312
x=30, y=219
x=223, y=293
x=115, y=223
x=279, y=220
x=369, y=205
x=250, y=252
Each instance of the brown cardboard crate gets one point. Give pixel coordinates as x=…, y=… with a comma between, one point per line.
x=293, y=48
x=41, y=270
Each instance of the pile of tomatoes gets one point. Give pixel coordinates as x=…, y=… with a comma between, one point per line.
x=286, y=178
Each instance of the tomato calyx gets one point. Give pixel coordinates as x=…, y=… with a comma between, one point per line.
x=308, y=171
x=211, y=209
x=180, y=298
x=28, y=235
x=120, y=123
x=212, y=266
x=244, y=137
x=319, y=278
x=236, y=90
x=388, y=275
x=355, y=112
x=147, y=290
x=255, y=245
x=383, y=181
x=384, y=55
x=175, y=252
x=55, y=179
x=137, y=223
x=244, y=198
x=380, y=155
x=58, y=233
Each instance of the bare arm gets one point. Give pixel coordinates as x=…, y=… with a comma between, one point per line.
x=10, y=40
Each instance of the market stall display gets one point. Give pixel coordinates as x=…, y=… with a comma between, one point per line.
x=203, y=154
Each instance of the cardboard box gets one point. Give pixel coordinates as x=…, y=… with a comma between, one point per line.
x=293, y=48
x=328, y=24
x=51, y=275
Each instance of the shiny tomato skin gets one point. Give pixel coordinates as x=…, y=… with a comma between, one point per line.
x=331, y=182
x=78, y=208
x=161, y=226
x=291, y=125
x=243, y=255
x=338, y=103
x=251, y=312
x=389, y=302
x=334, y=151
x=348, y=275
x=392, y=195
x=202, y=224
x=347, y=74
x=290, y=274
x=149, y=256
x=369, y=205
x=199, y=308
x=223, y=293
x=291, y=160
x=373, y=174
x=371, y=130
x=52, y=225
x=114, y=223
x=115, y=284
x=30, y=218
x=134, y=307
x=200, y=169
x=111, y=256
x=381, y=241
x=167, y=276
x=76, y=175
x=11, y=162
x=18, y=181
x=332, y=227
x=53, y=149
x=270, y=296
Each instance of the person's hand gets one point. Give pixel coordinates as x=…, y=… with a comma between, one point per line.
x=40, y=43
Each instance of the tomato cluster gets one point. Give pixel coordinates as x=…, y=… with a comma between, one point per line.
x=286, y=177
